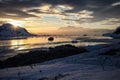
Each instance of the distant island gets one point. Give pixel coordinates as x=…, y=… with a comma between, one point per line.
x=9, y=30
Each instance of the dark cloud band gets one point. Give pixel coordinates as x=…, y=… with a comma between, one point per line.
x=102, y=8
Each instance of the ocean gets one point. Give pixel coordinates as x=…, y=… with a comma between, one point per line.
x=9, y=48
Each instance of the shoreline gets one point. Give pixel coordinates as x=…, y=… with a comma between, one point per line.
x=39, y=56
x=96, y=63
x=46, y=49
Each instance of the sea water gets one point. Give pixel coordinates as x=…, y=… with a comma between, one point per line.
x=11, y=47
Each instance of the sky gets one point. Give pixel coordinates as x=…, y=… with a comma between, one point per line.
x=47, y=15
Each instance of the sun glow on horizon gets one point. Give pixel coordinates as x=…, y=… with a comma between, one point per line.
x=15, y=23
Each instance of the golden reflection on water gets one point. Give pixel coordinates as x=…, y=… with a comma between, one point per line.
x=28, y=43
x=24, y=45
x=15, y=44
x=38, y=42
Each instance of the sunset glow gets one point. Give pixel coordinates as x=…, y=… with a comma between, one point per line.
x=15, y=23
x=59, y=39
x=42, y=16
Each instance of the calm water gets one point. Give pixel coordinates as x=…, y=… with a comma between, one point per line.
x=12, y=47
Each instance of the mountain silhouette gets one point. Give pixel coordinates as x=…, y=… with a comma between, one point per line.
x=9, y=30
x=114, y=34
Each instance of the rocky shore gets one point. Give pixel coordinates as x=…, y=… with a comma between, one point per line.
x=39, y=56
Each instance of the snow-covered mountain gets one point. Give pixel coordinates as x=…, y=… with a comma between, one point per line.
x=114, y=34
x=8, y=30
x=117, y=31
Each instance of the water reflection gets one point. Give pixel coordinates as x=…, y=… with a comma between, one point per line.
x=37, y=42
x=28, y=43
x=13, y=47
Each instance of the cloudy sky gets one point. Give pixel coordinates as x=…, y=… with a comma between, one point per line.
x=46, y=15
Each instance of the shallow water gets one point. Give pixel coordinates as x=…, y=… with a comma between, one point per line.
x=13, y=47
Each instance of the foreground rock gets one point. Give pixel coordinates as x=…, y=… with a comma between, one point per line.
x=40, y=56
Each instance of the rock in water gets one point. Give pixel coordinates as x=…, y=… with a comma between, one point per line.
x=50, y=39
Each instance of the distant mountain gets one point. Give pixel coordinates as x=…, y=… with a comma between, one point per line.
x=117, y=31
x=114, y=34
x=71, y=30
x=8, y=30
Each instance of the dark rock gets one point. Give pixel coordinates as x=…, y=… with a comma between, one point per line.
x=50, y=39
x=40, y=56
x=44, y=78
x=111, y=52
